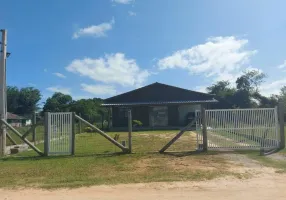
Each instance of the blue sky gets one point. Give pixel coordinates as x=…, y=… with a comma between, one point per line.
x=99, y=48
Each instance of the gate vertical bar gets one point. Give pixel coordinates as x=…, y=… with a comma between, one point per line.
x=205, y=137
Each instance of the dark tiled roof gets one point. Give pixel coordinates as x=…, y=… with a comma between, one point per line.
x=158, y=93
x=14, y=116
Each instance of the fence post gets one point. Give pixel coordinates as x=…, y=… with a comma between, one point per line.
x=34, y=122
x=47, y=130
x=204, y=128
x=79, y=124
x=130, y=131
x=3, y=93
x=281, y=123
x=73, y=134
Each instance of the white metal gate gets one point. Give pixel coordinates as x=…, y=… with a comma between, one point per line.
x=59, y=133
x=241, y=129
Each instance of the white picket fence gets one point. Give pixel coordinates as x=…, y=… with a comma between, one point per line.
x=241, y=129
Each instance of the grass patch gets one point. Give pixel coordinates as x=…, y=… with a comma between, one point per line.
x=22, y=130
x=99, y=162
x=268, y=161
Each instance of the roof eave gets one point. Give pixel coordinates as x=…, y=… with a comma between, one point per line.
x=158, y=103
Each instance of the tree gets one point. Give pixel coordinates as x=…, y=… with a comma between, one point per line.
x=90, y=109
x=250, y=80
x=266, y=102
x=28, y=100
x=244, y=95
x=24, y=101
x=223, y=93
x=12, y=99
x=247, y=94
x=221, y=88
x=282, y=96
x=58, y=103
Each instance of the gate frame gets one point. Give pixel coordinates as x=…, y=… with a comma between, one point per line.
x=279, y=114
x=47, y=131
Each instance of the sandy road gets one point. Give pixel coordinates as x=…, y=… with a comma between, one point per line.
x=263, y=187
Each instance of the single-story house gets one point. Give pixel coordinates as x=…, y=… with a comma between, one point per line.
x=18, y=121
x=157, y=106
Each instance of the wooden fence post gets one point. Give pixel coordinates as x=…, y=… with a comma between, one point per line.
x=281, y=123
x=34, y=122
x=73, y=134
x=46, y=136
x=130, y=131
x=204, y=128
x=79, y=125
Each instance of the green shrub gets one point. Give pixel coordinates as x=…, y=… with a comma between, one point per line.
x=88, y=130
x=137, y=123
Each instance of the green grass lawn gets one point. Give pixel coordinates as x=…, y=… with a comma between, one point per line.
x=98, y=162
x=22, y=130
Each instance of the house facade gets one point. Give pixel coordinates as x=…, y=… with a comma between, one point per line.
x=157, y=106
x=18, y=121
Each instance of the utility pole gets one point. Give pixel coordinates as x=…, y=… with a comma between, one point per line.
x=3, y=97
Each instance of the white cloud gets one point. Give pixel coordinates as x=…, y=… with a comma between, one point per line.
x=63, y=90
x=131, y=13
x=202, y=88
x=272, y=87
x=59, y=75
x=94, y=30
x=98, y=89
x=282, y=66
x=78, y=97
x=123, y=1
x=220, y=58
x=112, y=68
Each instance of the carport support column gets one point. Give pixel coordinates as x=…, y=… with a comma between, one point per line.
x=204, y=128
x=281, y=123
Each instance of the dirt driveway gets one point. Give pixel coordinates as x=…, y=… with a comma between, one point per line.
x=259, y=188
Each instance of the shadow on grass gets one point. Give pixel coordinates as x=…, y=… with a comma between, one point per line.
x=208, y=153
x=25, y=158
x=136, y=154
x=188, y=153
